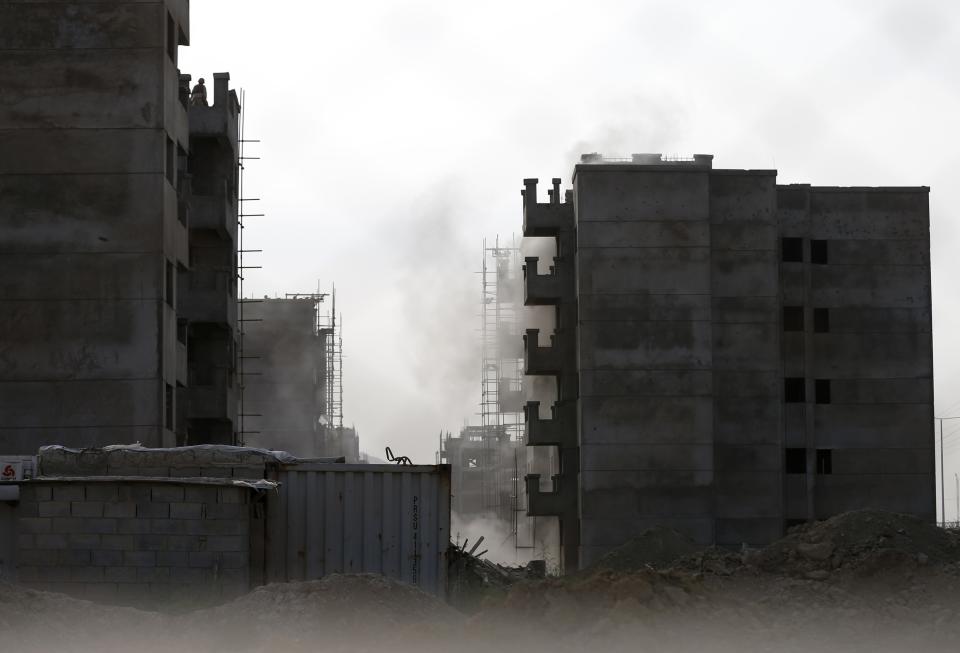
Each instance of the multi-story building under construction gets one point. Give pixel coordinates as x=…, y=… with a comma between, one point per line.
x=291, y=396
x=111, y=265
x=732, y=355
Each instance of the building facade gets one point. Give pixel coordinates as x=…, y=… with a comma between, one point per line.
x=93, y=129
x=732, y=356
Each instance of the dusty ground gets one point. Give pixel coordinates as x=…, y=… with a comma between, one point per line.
x=859, y=582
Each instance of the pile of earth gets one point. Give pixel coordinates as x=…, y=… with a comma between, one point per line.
x=340, y=612
x=863, y=543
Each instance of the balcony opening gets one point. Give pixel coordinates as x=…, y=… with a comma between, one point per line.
x=795, y=461
x=821, y=320
x=793, y=318
x=171, y=162
x=822, y=391
x=824, y=461
x=792, y=250
x=818, y=252
x=794, y=390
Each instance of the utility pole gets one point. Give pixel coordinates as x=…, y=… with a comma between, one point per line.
x=943, y=497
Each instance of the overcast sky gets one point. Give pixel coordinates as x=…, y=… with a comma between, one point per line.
x=396, y=135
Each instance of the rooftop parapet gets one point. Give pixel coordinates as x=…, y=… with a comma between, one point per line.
x=545, y=219
x=651, y=159
x=221, y=119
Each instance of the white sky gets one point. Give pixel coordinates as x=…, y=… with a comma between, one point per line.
x=396, y=135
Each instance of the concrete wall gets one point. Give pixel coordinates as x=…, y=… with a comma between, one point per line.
x=88, y=221
x=644, y=352
x=875, y=352
x=142, y=543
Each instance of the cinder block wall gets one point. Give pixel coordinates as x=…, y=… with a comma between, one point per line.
x=137, y=543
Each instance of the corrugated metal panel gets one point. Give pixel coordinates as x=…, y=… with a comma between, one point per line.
x=336, y=518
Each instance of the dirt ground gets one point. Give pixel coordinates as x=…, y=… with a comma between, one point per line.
x=862, y=581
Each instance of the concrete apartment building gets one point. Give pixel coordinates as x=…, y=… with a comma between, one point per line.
x=107, y=262
x=91, y=130
x=290, y=399
x=732, y=356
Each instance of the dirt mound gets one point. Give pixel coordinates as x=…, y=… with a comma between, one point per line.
x=45, y=621
x=655, y=548
x=860, y=542
x=339, y=611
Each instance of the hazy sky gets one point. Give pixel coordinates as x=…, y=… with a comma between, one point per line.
x=396, y=135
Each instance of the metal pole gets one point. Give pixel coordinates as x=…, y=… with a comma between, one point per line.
x=943, y=497
x=956, y=478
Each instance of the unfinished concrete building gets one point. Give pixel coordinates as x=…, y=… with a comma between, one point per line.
x=732, y=356
x=93, y=132
x=207, y=303
x=291, y=395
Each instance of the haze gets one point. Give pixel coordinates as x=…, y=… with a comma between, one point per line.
x=395, y=137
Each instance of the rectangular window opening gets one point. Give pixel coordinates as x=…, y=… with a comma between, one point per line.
x=822, y=391
x=796, y=461
x=824, y=461
x=169, y=286
x=818, y=252
x=171, y=39
x=792, y=250
x=821, y=320
x=171, y=161
x=794, y=390
x=168, y=405
x=793, y=318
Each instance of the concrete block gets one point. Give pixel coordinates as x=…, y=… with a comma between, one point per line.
x=224, y=511
x=654, y=270
x=100, y=592
x=35, y=525
x=172, y=558
x=121, y=542
x=27, y=508
x=104, y=492
x=68, y=525
x=189, y=575
x=86, y=574
x=26, y=541
x=234, y=560
x=153, y=574
x=647, y=503
x=203, y=558
x=150, y=542
x=186, y=510
x=224, y=527
x=644, y=306
x=640, y=419
x=185, y=543
x=67, y=492
x=134, y=493
x=106, y=558
x=120, y=574
x=100, y=526
x=86, y=509
x=666, y=383
x=170, y=526
x=153, y=510
x=139, y=558
x=647, y=457
x=73, y=557
x=133, y=526
x=51, y=541
x=651, y=345
x=84, y=540
x=120, y=510
x=167, y=493
x=38, y=557
x=54, y=509
x=232, y=495
x=227, y=543
x=200, y=494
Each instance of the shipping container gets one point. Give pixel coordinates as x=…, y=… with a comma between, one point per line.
x=335, y=518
